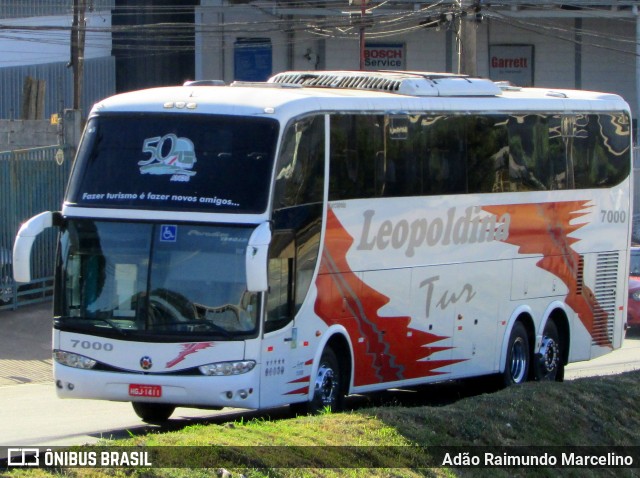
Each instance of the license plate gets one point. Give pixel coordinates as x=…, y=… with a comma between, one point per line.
x=137, y=390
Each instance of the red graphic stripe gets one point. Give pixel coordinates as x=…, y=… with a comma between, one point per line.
x=299, y=391
x=546, y=229
x=188, y=349
x=385, y=354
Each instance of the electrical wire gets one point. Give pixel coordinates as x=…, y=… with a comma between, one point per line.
x=568, y=34
x=386, y=19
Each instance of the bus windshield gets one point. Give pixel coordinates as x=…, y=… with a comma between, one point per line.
x=155, y=281
x=185, y=162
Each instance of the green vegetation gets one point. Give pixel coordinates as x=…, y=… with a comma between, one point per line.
x=387, y=440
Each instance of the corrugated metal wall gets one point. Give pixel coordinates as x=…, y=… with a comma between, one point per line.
x=99, y=82
x=36, y=8
x=31, y=181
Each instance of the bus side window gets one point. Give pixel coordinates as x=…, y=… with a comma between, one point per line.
x=529, y=165
x=343, y=164
x=599, y=150
x=487, y=154
x=400, y=161
x=279, y=301
x=300, y=168
x=297, y=217
x=558, y=167
x=344, y=173
x=444, y=169
x=281, y=267
x=355, y=162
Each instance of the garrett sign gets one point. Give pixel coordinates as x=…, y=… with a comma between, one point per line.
x=513, y=63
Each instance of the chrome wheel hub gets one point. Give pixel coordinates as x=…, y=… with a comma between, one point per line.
x=518, y=361
x=326, y=386
x=549, y=355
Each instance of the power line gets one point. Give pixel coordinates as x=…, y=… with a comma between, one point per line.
x=181, y=36
x=567, y=34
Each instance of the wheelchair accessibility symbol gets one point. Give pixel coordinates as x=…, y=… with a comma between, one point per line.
x=168, y=233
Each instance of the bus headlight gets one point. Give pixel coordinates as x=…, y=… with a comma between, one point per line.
x=227, y=368
x=73, y=360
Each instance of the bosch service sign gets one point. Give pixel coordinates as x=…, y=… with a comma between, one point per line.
x=384, y=56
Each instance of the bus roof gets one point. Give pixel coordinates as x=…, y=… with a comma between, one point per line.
x=292, y=93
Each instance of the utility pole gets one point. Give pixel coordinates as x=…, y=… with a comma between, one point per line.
x=77, y=50
x=291, y=38
x=466, y=33
x=363, y=12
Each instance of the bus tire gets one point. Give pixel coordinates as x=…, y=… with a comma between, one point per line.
x=516, y=368
x=548, y=362
x=153, y=412
x=328, y=391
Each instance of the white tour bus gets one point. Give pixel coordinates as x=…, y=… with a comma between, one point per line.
x=330, y=233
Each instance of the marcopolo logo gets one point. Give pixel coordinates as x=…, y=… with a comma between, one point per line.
x=470, y=227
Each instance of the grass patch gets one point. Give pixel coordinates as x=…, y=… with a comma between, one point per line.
x=387, y=441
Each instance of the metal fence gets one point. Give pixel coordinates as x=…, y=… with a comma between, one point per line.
x=31, y=181
x=99, y=82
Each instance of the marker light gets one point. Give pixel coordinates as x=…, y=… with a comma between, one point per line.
x=227, y=368
x=73, y=360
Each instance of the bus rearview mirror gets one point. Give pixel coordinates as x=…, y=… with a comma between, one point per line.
x=256, y=258
x=24, y=243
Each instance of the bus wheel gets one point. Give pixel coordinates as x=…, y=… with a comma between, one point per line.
x=548, y=366
x=153, y=412
x=328, y=392
x=516, y=369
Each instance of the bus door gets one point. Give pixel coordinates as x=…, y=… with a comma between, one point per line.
x=286, y=366
x=293, y=256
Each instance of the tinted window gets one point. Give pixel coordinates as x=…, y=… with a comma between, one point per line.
x=410, y=155
x=297, y=219
x=599, y=150
x=357, y=156
x=156, y=281
x=300, y=168
x=187, y=162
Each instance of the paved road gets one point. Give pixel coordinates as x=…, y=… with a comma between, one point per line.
x=31, y=414
x=625, y=359
x=25, y=345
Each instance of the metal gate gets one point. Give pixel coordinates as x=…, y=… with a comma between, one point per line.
x=31, y=181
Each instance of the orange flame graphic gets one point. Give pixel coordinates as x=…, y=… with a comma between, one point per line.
x=386, y=353
x=546, y=229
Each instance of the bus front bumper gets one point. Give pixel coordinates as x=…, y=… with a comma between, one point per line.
x=237, y=391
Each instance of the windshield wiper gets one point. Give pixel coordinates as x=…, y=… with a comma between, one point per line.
x=202, y=323
x=112, y=324
x=83, y=321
